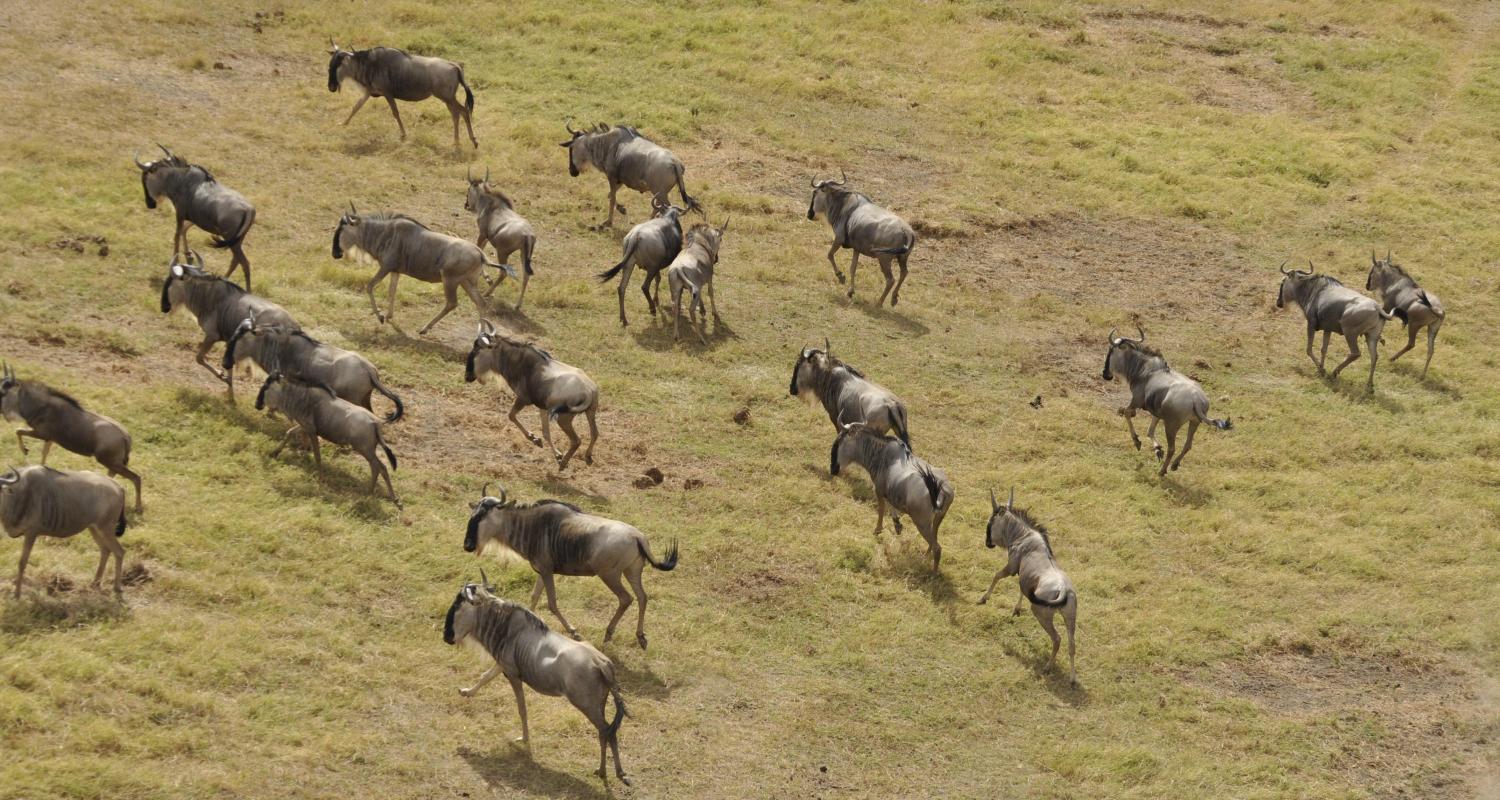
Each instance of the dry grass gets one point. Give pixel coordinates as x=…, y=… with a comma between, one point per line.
x=1306, y=610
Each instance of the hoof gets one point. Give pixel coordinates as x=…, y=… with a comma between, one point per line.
x=589, y=460
x=640, y=638
x=577, y=637
x=1158, y=451
x=625, y=781
x=982, y=601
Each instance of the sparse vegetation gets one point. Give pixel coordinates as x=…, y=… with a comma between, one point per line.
x=1309, y=611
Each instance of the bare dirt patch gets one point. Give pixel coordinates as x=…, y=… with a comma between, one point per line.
x=1429, y=737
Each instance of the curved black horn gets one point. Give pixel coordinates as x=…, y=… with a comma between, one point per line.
x=164, y=149
x=1283, y=268
x=486, y=173
x=1112, y=335
x=827, y=348
x=10, y=477
x=137, y=157
x=195, y=259
x=843, y=177
x=484, y=580
x=1140, y=331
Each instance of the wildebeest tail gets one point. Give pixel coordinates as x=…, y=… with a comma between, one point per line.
x=1225, y=424
x=692, y=205
x=391, y=457
x=1055, y=602
x=567, y=409
x=911, y=241
x=1402, y=315
x=526, y=249
x=505, y=268
x=665, y=565
x=392, y=396
x=614, y=691
x=1437, y=308
x=934, y=489
x=239, y=235
x=898, y=421
x=120, y=524
x=468, y=93
x=606, y=275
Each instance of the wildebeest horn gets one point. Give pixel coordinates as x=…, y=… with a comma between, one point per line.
x=568, y=123
x=1141, y=332
x=485, y=581
x=352, y=210
x=724, y=227
x=601, y=126
x=1388, y=256
x=827, y=348
x=164, y=149
x=486, y=326
x=194, y=258
x=1283, y=268
x=10, y=477
x=469, y=173
x=1112, y=335
x=1310, y=267
x=994, y=504
x=1373, y=259
x=486, y=174
x=843, y=178
x=137, y=157
x=1012, y=501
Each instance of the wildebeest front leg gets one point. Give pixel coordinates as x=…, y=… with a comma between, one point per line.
x=397, y=115
x=831, y=252
x=1020, y=601
x=879, y=514
x=358, y=104
x=1312, y=331
x=285, y=440
x=516, y=408
x=450, y=302
x=547, y=438
x=488, y=676
x=22, y=443
x=1128, y=412
x=609, y=221
x=890, y=280
x=25, y=555
x=47, y=448
x=202, y=359
x=370, y=290
x=1151, y=437
x=520, y=690
x=552, y=606
x=1003, y=573
x=1372, y=340
x=179, y=236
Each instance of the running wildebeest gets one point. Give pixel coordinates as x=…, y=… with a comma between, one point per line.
x=537, y=379
x=219, y=307
x=627, y=159
x=558, y=538
x=693, y=269
x=202, y=201
x=1400, y=295
x=55, y=417
x=1169, y=396
x=502, y=227
x=41, y=501
x=317, y=413
x=846, y=394
x=1332, y=308
x=1029, y=555
x=397, y=75
x=909, y=484
x=402, y=246
x=650, y=245
x=531, y=654
x=866, y=229
x=275, y=349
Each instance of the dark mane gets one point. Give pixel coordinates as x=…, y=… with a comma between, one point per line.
x=498, y=195
x=59, y=395
x=521, y=343
x=528, y=618
x=1027, y=520
x=551, y=502
x=389, y=216
x=1391, y=265
x=836, y=363
x=1321, y=281
x=1142, y=348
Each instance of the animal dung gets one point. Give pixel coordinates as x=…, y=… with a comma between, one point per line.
x=692, y=483
x=742, y=417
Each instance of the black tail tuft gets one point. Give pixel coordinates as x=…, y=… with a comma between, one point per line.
x=898, y=418
x=394, y=398
x=665, y=565
x=1401, y=315
x=388, y=454
x=1225, y=424
x=120, y=525
x=468, y=93
x=614, y=725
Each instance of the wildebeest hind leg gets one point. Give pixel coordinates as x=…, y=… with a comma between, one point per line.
x=104, y=554
x=514, y=409
x=25, y=555
x=1323, y=357
x=890, y=280
x=1411, y=341
x=565, y=421
x=1431, y=340
x=1187, y=444
x=397, y=115
x=1044, y=616
x=901, y=281
x=46, y=448
x=552, y=606
x=640, y=619
x=450, y=302
x=1171, y=427
x=1353, y=356
x=471, y=288
x=613, y=582
x=588, y=453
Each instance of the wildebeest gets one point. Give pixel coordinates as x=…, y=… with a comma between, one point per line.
x=1330, y=307
x=650, y=245
x=558, y=538
x=866, y=229
x=317, y=414
x=909, y=484
x=846, y=394
x=398, y=75
x=627, y=159
x=219, y=307
x=41, y=501
x=1400, y=295
x=531, y=654
x=200, y=200
x=1029, y=555
x=502, y=227
x=1169, y=396
x=55, y=417
x=693, y=270
x=275, y=349
x=537, y=379
x=403, y=246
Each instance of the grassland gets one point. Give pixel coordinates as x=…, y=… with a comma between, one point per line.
x=1308, y=609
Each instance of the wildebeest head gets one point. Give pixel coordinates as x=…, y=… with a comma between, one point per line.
x=1380, y=272
x=480, y=190
x=579, y=157
x=1290, y=280
x=478, y=533
x=808, y=360
x=485, y=341
x=344, y=235
x=462, y=615
x=821, y=190
x=174, y=288
x=847, y=434
x=272, y=381
x=337, y=59
x=154, y=173
x=998, y=513
x=244, y=334
x=708, y=236
x=1116, y=344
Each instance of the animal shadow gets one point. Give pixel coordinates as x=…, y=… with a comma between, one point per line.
x=1181, y=493
x=1055, y=677
x=39, y=612
x=507, y=317
x=366, y=338
x=513, y=767
x=559, y=485
x=907, y=558
x=888, y=314
x=1355, y=391
x=1438, y=385
x=657, y=336
x=643, y=682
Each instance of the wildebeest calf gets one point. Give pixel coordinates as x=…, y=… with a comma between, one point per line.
x=275, y=349
x=320, y=414
x=55, y=417
x=41, y=501
x=501, y=227
x=650, y=245
x=693, y=270
x=1400, y=295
